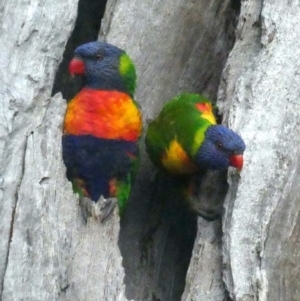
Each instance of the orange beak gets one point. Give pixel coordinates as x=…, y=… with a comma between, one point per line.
x=236, y=161
x=76, y=66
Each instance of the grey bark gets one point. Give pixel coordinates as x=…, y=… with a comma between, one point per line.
x=261, y=86
x=49, y=252
x=204, y=277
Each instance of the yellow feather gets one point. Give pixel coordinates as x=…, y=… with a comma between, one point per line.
x=199, y=136
x=176, y=161
x=208, y=115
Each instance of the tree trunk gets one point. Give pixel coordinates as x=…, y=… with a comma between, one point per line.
x=48, y=250
x=260, y=85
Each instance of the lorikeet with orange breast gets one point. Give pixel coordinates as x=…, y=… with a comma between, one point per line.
x=184, y=140
x=102, y=124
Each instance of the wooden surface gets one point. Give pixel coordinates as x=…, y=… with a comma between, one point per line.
x=261, y=87
x=47, y=250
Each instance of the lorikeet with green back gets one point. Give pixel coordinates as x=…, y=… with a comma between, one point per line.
x=184, y=140
x=102, y=124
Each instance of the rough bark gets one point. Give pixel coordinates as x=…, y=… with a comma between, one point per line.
x=204, y=277
x=47, y=250
x=261, y=86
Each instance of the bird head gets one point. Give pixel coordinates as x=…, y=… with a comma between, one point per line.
x=104, y=66
x=220, y=149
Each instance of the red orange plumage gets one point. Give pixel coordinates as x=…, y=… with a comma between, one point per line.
x=102, y=124
x=103, y=114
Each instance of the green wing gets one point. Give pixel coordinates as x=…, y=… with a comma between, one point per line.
x=182, y=121
x=127, y=71
x=124, y=185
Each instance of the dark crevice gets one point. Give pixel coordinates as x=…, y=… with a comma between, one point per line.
x=87, y=26
x=157, y=255
x=227, y=296
x=158, y=229
x=231, y=23
x=236, y=8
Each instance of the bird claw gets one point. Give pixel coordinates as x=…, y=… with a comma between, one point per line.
x=208, y=214
x=99, y=210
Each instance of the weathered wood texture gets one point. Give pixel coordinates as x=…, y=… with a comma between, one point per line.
x=47, y=251
x=260, y=85
x=204, y=277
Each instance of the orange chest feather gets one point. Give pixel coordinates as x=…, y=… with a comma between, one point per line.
x=103, y=114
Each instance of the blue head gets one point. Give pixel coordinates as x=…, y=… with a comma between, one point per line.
x=221, y=148
x=105, y=67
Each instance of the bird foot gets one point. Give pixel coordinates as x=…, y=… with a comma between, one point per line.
x=99, y=210
x=210, y=213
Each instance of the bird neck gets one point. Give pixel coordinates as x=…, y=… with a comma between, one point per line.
x=108, y=83
x=116, y=76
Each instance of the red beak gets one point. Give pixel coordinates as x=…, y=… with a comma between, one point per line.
x=76, y=66
x=236, y=161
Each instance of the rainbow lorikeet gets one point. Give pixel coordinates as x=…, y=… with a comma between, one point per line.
x=185, y=142
x=102, y=124
x=185, y=139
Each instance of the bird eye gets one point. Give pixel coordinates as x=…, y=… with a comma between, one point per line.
x=219, y=145
x=99, y=56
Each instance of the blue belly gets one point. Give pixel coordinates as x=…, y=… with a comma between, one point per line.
x=96, y=161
